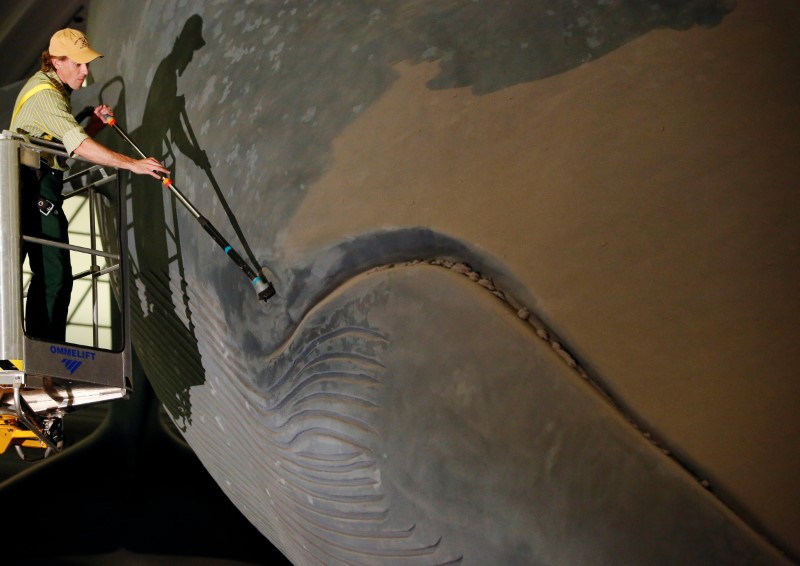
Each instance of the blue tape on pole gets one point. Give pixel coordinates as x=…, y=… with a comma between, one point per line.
x=228, y=249
x=256, y=280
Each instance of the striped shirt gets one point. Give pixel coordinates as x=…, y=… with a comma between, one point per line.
x=48, y=114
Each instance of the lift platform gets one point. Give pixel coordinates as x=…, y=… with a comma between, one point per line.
x=42, y=381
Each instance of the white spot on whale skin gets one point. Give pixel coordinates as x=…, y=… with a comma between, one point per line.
x=309, y=115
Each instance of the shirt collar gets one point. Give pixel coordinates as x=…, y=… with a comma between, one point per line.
x=53, y=76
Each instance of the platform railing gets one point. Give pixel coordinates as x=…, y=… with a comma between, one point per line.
x=94, y=251
x=42, y=380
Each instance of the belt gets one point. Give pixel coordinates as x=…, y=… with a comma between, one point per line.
x=47, y=170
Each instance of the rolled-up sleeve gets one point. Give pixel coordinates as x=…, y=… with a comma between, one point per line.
x=73, y=138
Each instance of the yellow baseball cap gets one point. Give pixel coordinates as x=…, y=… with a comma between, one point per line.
x=73, y=44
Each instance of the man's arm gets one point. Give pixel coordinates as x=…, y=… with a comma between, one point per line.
x=92, y=151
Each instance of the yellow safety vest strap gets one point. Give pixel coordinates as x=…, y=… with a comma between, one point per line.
x=27, y=95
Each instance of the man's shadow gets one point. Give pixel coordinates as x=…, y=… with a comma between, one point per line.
x=162, y=330
x=161, y=314
x=158, y=270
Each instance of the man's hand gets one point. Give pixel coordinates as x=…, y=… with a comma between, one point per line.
x=98, y=120
x=201, y=160
x=149, y=166
x=104, y=112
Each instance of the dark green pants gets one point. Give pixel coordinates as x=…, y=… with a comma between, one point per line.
x=51, y=285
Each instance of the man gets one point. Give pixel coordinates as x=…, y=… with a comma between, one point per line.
x=43, y=110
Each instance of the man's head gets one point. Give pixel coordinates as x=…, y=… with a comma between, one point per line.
x=73, y=44
x=188, y=41
x=69, y=54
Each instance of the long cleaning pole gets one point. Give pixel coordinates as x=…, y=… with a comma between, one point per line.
x=264, y=289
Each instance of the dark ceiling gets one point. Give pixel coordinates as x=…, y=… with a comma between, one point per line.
x=25, y=30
